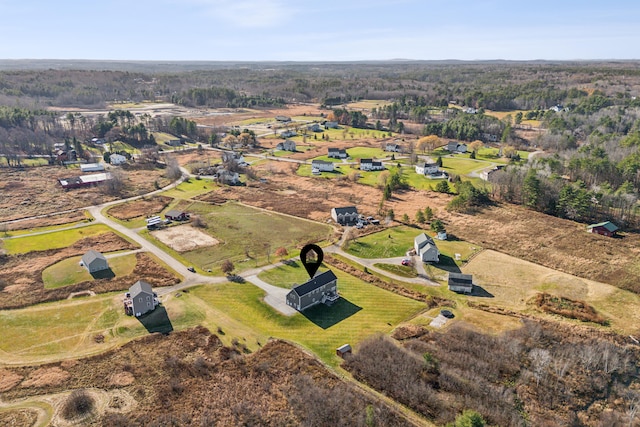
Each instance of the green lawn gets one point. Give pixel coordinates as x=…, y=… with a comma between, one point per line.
x=54, y=240
x=65, y=329
x=36, y=161
x=362, y=311
x=367, y=153
x=380, y=245
x=305, y=170
x=285, y=275
x=392, y=242
x=117, y=146
x=69, y=272
x=41, y=229
x=192, y=188
x=245, y=234
x=162, y=137
x=398, y=269
x=326, y=158
x=461, y=166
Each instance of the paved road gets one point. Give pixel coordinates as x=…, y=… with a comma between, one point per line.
x=276, y=297
x=422, y=278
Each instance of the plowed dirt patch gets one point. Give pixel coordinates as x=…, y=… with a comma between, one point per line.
x=184, y=238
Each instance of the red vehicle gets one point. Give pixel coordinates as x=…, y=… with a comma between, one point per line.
x=406, y=261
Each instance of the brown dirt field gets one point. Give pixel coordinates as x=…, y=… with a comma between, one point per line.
x=8, y=380
x=188, y=377
x=46, y=377
x=25, y=272
x=556, y=243
x=18, y=417
x=238, y=116
x=313, y=198
x=35, y=191
x=48, y=221
x=184, y=238
x=140, y=207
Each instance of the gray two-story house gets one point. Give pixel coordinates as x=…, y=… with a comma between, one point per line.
x=322, y=289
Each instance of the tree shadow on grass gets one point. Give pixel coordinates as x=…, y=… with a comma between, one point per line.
x=157, y=321
x=103, y=274
x=328, y=316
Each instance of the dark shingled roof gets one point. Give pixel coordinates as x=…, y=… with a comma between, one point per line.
x=460, y=279
x=346, y=210
x=313, y=284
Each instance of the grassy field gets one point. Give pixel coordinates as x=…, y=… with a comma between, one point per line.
x=367, y=153
x=60, y=227
x=396, y=241
x=54, y=240
x=363, y=310
x=461, y=166
x=192, y=188
x=305, y=170
x=162, y=137
x=66, y=328
x=245, y=234
x=117, y=146
x=285, y=276
x=327, y=159
x=398, y=269
x=513, y=282
x=68, y=271
x=36, y=161
x=368, y=104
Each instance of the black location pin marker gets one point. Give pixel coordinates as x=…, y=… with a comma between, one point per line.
x=311, y=256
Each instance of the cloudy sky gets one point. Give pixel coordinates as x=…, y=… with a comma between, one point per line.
x=325, y=30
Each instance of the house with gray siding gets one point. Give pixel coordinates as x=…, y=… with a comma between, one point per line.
x=426, y=248
x=321, y=289
x=140, y=299
x=94, y=261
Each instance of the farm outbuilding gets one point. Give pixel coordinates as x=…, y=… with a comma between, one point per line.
x=343, y=350
x=94, y=261
x=321, y=289
x=607, y=228
x=176, y=215
x=461, y=283
x=92, y=167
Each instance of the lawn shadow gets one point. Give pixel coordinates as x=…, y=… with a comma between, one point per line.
x=479, y=291
x=157, y=321
x=328, y=316
x=103, y=274
x=448, y=264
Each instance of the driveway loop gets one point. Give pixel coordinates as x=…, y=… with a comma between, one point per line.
x=311, y=256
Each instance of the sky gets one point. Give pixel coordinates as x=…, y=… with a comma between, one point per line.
x=321, y=30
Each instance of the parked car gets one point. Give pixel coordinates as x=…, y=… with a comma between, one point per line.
x=405, y=261
x=191, y=269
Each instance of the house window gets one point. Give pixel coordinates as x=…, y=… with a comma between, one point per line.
x=148, y=298
x=148, y=304
x=140, y=299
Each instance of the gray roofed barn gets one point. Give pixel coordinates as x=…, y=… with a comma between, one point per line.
x=459, y=282
x=321, y=289
x=94, y=261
